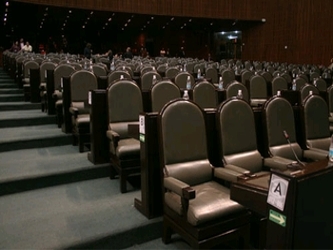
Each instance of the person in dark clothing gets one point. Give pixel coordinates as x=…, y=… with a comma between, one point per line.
x=87, y=51
x=182, y=52
x=15, y=47
x=128, y=53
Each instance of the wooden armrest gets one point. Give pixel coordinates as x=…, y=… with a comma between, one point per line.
x=188, y=193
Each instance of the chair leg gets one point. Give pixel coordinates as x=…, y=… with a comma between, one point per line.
x=81, y=146
x=123, y=182
x=167, y=233
x=113, y=173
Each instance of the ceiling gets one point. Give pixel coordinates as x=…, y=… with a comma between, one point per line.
x=39, y=22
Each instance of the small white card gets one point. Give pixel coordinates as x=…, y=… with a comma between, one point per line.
x=277, y=193
x=142, y=124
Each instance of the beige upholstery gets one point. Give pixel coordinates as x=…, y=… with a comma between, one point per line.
x=195, y=206
x=99, y=70
x=163, y=92
x=205, y=95
x=124, y=106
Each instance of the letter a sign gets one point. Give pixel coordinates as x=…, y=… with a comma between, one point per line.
x=277, y=193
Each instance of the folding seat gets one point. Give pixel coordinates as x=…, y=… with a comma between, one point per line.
x=228, y=75
x=196, y=205
x=124, y=106
x=246, y=75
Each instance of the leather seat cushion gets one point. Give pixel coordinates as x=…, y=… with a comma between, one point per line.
x=82, y=123
x=128, y=149
x=212, y=202
x=58, y=103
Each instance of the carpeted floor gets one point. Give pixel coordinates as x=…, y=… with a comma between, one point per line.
x=52, y=197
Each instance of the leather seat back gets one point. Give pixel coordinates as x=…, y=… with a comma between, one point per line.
x=181, y=79
x=124, y=105
x=184, y=153
x=232, y=90
x=237, y=133
x=279, y=83
x=163, y=92
x=279, y=117
x=61, y=71
x=205, y=95
x=147, y=78
x=316, y=123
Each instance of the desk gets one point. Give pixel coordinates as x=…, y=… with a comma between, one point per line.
x=307, y=207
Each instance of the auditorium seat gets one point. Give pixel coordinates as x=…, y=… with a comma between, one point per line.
x=237, y=139
x=233, y=88
x=181, y=79
x=279, y=83
x=196, y=205
x=315, y=124
x=163, y=92
x=320, y=84
x=257, y=90
x=147, y=79
x=205, y=95
x=305, y=91
x=171, y=72
x=81, y=82
x=124, y=106
x=117, y=74
x=28, y=65
x=47, y=65
x=62, y=70
x=279, y=130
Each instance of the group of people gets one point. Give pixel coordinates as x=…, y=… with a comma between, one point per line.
x=24, y=47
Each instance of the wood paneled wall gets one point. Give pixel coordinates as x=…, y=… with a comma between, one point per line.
x=298, y=31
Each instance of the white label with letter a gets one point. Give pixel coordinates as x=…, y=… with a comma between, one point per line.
x=277, y=193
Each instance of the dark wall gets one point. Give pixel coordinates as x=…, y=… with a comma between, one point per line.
x=297, y=31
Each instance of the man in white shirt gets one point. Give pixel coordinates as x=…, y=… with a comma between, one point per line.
x=27, y=47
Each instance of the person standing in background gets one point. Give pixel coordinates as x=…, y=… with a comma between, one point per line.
x=128, y=53
x=21, y=43
x=87, y=51
x=27, y=47
x=15, y=47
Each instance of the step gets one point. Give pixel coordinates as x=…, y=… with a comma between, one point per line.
x=25, y=118
x=11, y=91
x=11, y=97
x=32, y=137
x=7, y=106
x=88, y=214
x=8, y=85
x=28, y=169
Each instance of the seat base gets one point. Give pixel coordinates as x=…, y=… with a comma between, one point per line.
x=208, y=235
x=123, y=173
